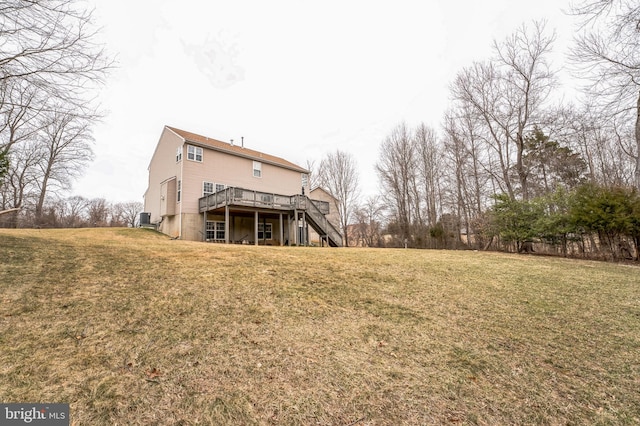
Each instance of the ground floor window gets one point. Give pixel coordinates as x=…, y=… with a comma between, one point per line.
x=265, y=231
x=215, y=230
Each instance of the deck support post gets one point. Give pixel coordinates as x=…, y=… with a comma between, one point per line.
x=295, y=226
x=281, y=231
x=304, y=229
x=226, y=224
x=256, y=227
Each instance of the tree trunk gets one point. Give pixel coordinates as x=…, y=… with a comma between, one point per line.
x=41, y=198
x=522, y=172
x=637, y=171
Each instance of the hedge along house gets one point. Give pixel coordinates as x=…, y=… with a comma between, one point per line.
x=202, y=189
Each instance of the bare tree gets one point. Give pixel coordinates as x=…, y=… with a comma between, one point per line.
x=608, y=52
x=429, y=168
x=130, y=211
x=368, y=227
x=339, y=175
x=66, y=150
x=476, y=90
x=314, y=177
x=19, y=112
x=509, y=95
x=396, y=171
x=20, y=105
x=22, y=179
x=116, y=215
x=602, y=143
x=51, y=45
x=98, y=212
x=73, y=211
x=49, y=61
x=468, y=177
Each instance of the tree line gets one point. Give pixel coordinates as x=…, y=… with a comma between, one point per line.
x=512, y=167
x=76, y=212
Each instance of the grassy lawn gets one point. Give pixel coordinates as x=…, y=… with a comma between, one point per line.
x=130, y=327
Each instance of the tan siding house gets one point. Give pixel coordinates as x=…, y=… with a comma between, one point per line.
x=202, y=189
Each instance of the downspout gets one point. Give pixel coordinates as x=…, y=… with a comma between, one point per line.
x=181, y=192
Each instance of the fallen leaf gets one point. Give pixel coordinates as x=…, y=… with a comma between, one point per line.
x=153, y=373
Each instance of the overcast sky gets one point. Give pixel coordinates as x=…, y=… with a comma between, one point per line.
x=297, y=79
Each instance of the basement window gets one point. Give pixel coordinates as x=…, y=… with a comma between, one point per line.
x=215, y=230
x=265, y=231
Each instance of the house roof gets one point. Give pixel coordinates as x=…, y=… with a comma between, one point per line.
x=240, y=151
x=319, y=188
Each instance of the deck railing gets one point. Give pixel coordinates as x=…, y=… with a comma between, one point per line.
x=233, y=196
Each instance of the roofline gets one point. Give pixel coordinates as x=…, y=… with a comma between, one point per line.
x=325, y=190
x=155, y=150
x=173, y=131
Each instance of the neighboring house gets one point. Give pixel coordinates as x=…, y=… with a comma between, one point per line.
x=202, y=189
x=333, y=216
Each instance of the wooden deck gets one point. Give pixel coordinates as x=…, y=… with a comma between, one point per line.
x=239, y=198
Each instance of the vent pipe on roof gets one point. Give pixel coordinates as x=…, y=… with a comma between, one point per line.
x=242, y=140
x=231, y=142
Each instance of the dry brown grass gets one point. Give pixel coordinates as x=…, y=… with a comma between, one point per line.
x=130, y=328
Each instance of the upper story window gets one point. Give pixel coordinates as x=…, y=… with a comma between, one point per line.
x=207, y=188
x=179, y=154
x=257, y=169
x=194, y=153
x=305, y=180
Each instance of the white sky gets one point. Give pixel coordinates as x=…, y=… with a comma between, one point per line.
x=296, y=78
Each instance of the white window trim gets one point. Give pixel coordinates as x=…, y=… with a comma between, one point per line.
x=269, y=231
x=204, y=191
x=257, y=167
x=197, y=151
x=216, y=228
